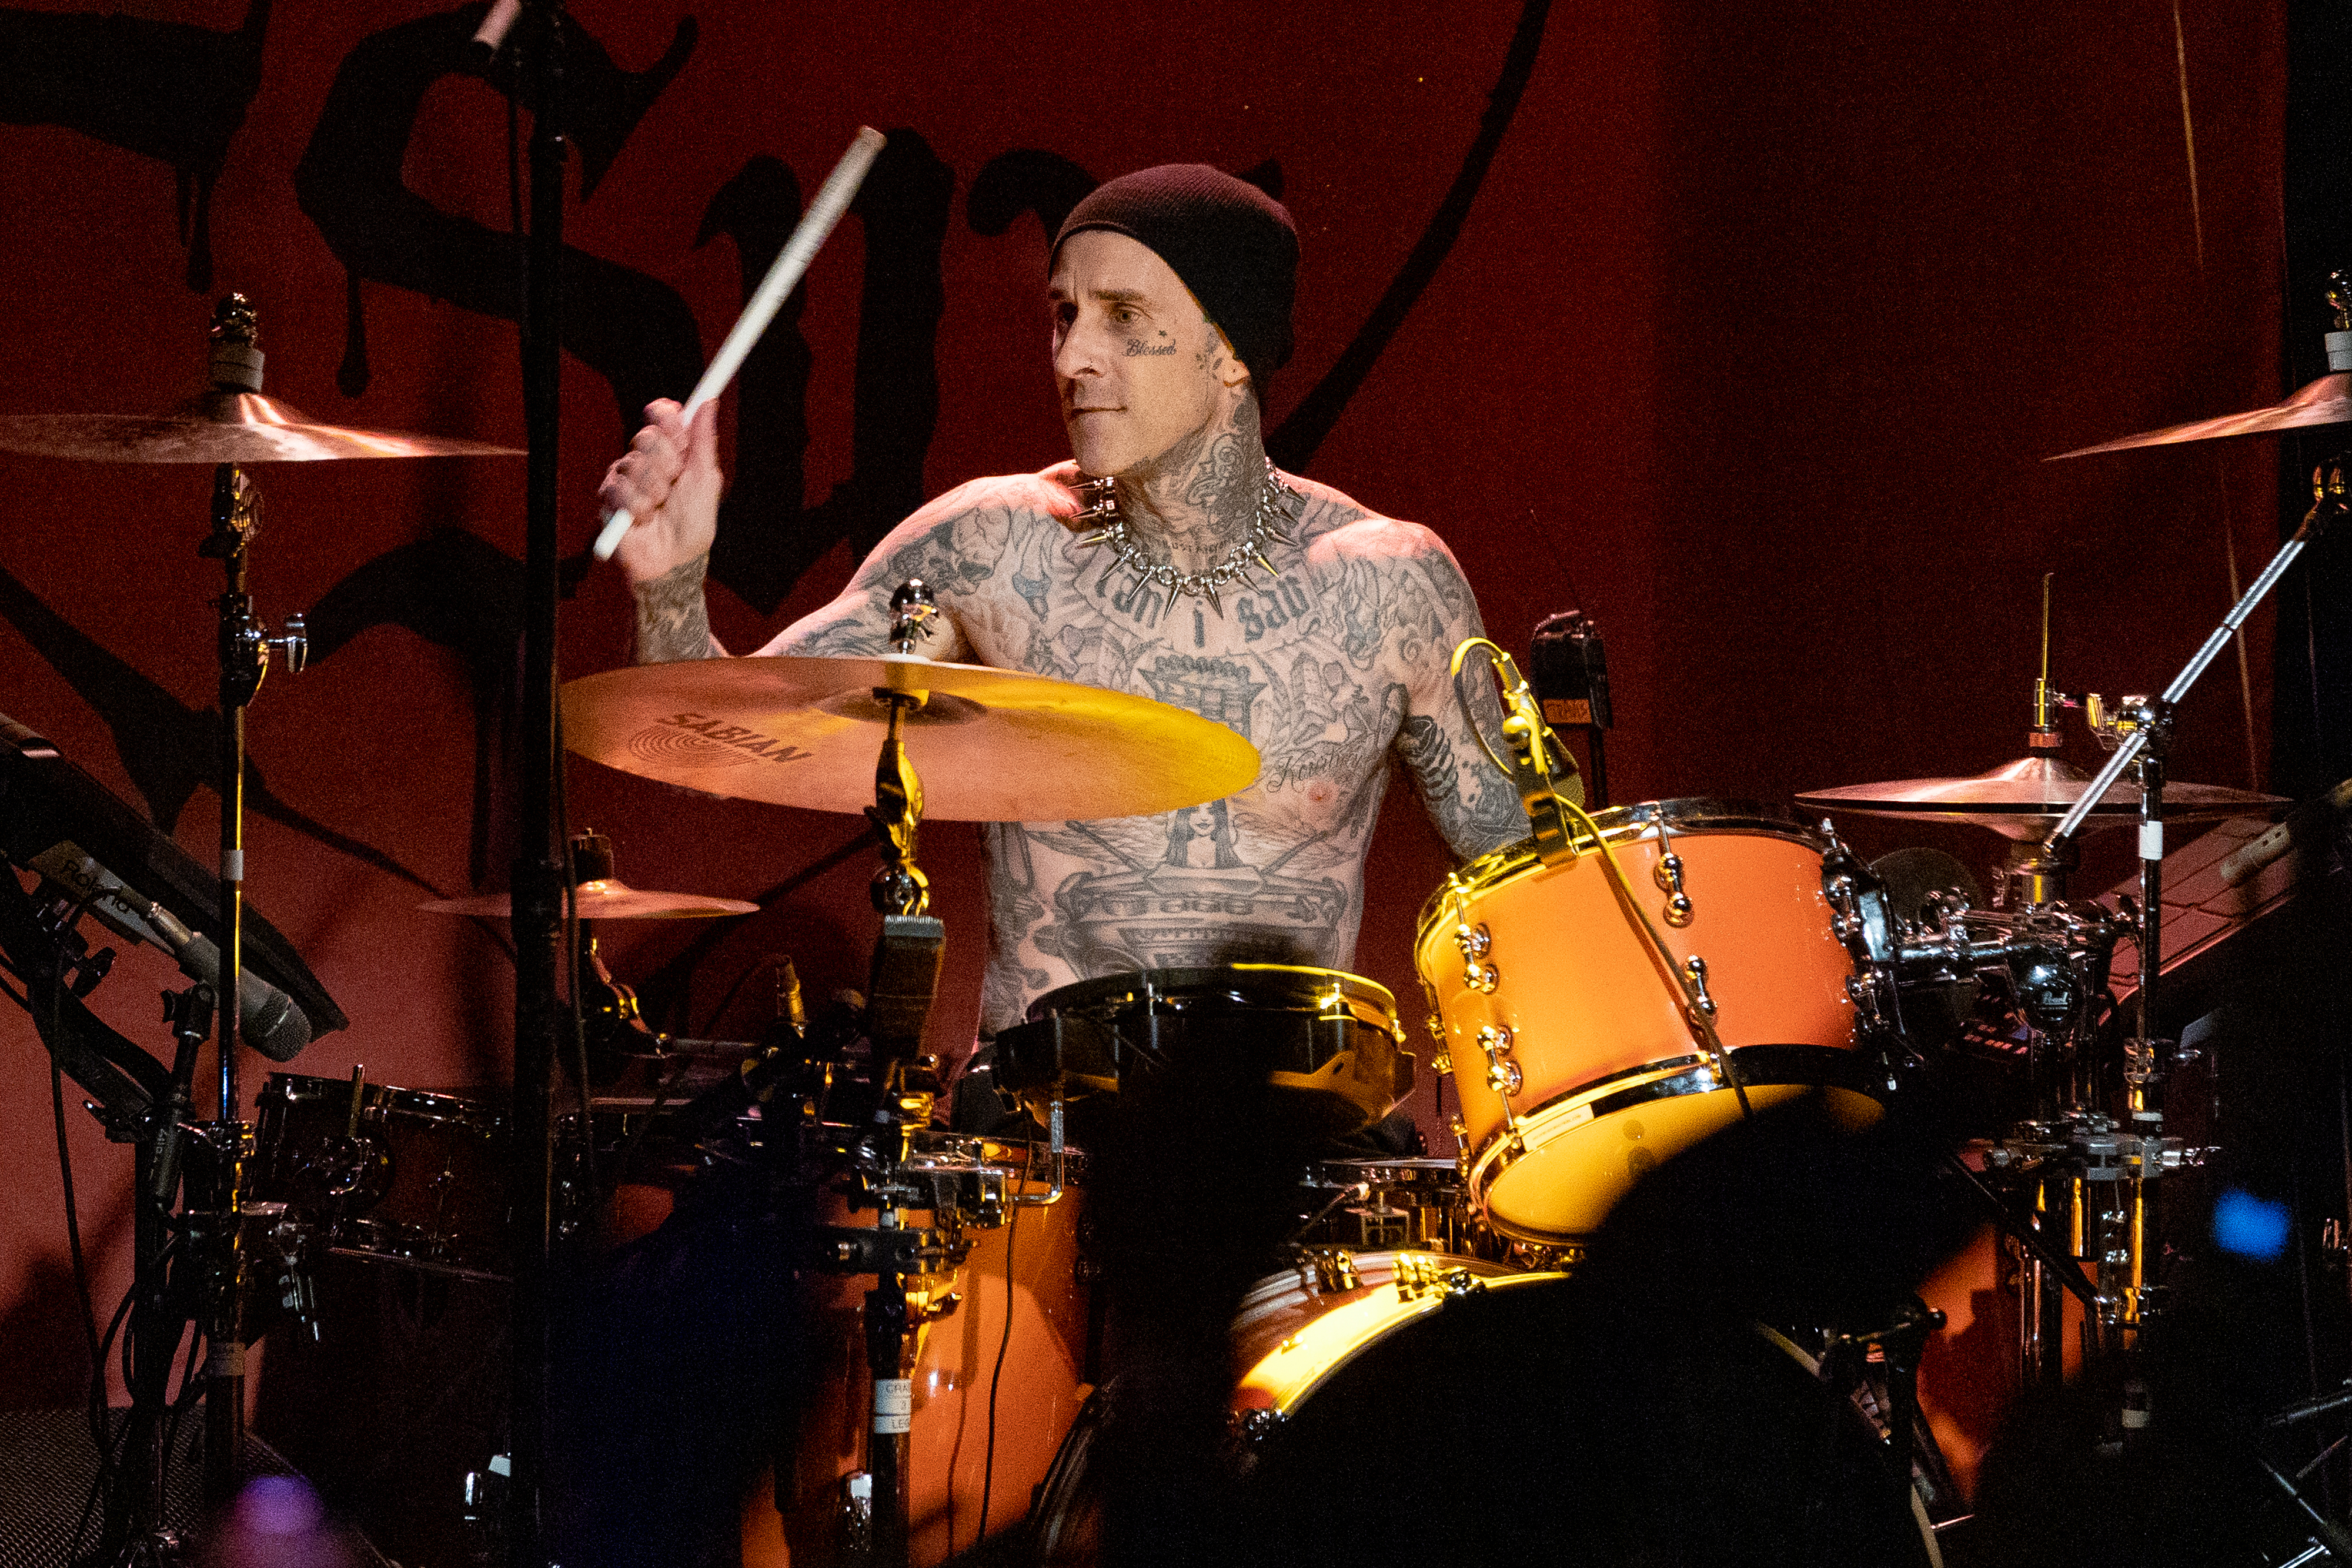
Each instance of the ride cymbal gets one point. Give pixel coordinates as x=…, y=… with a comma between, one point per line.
x=2327, y=400
x=990, y=746
x=2025, y=799
x=220, y=426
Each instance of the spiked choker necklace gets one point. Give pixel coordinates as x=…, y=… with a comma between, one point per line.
x=1276, y=513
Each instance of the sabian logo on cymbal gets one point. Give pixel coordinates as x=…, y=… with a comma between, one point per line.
x=698, y=740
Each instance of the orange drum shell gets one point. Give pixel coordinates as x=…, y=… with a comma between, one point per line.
x=1037, y=1402
x=1584, y=1003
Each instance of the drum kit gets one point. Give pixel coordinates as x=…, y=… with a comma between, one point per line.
x=1622, y=984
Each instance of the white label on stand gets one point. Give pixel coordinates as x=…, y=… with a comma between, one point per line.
x=2151, y=840
x=232, y=864
x=894, y=1405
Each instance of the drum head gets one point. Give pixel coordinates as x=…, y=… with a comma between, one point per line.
x=1325, y=1042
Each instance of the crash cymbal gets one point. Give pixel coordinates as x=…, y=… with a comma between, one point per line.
x=2025, y=798
x=2327, y=400
x=990, y=746
x=608, y=898
x=220, y=426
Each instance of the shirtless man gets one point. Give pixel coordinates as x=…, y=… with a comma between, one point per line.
x=1326, y=643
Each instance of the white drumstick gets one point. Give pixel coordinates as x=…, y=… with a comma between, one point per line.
x=831, y=200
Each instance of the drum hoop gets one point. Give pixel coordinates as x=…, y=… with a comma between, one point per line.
x=1276, y=988
x=969, y=1154
x=379, y=1101
x=1690, y=816
x=1387, y=1317
x=1760, y=1067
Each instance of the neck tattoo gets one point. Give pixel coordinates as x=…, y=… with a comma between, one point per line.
x=1278, y=507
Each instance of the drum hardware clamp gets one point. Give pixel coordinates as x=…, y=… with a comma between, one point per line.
x=1423, y=1274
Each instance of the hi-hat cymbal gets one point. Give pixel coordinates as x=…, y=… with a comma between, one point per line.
x=2025, y=798
x=220, y=426
x=990, y=746
x=2327, y=400
x=608, y=898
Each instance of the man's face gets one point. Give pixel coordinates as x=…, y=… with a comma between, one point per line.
x=1139, y=366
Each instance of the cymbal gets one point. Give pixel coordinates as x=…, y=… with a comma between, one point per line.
x=2025, y=799
x=2327, y=400
x=990, y=746
x=220, y=426
x=608, y=898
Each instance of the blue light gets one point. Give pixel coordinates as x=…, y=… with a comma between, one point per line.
x=2250, y=1227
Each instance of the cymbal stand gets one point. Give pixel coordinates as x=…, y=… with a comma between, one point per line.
x=2122, y=1163
x=898, y=998
x=245, y=650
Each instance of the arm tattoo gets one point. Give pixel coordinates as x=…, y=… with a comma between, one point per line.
x=1476, y=812
x=672, y=622
x=845, y=639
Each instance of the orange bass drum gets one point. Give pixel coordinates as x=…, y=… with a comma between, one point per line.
x=1575, y=1067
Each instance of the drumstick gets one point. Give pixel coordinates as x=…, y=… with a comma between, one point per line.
x=831, y=200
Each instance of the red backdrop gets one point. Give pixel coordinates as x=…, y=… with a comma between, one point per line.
x=1749, y=343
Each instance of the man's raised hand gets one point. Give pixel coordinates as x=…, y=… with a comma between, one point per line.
x=670, y=483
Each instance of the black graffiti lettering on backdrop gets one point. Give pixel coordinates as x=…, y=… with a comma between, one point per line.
x=164, y=89
x=168, y=747
x=632, y=328
x=458, y=591
x=1027, y=179
x=1294, y=442
x=768, y=533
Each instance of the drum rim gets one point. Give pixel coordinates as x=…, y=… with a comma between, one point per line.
x=944, y=1151
x=1676, y=1076
x=1688, y=815
x=1296, y=987
x=378, y=1099
x=1366, y=1302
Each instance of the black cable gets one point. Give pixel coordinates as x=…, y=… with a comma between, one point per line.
x=629, y=1157
x=108, y=1436
x=73, y=1238
x=1012, y=1233
x=767, y=961
x=199, y=1351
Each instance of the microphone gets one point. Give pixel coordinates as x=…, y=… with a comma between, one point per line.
x=267, y=1018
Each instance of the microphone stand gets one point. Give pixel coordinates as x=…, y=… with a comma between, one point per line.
x=538, y=873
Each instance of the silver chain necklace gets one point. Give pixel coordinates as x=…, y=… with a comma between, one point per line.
x=1275, y=514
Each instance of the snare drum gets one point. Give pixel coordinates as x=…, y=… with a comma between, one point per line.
x=1576, y=1068
x=1329, y=1042
x=395, y=1174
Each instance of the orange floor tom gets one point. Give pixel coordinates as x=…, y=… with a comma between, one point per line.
x=1575, y=1067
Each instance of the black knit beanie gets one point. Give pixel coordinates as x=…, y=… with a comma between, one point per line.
x=1231, y=244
